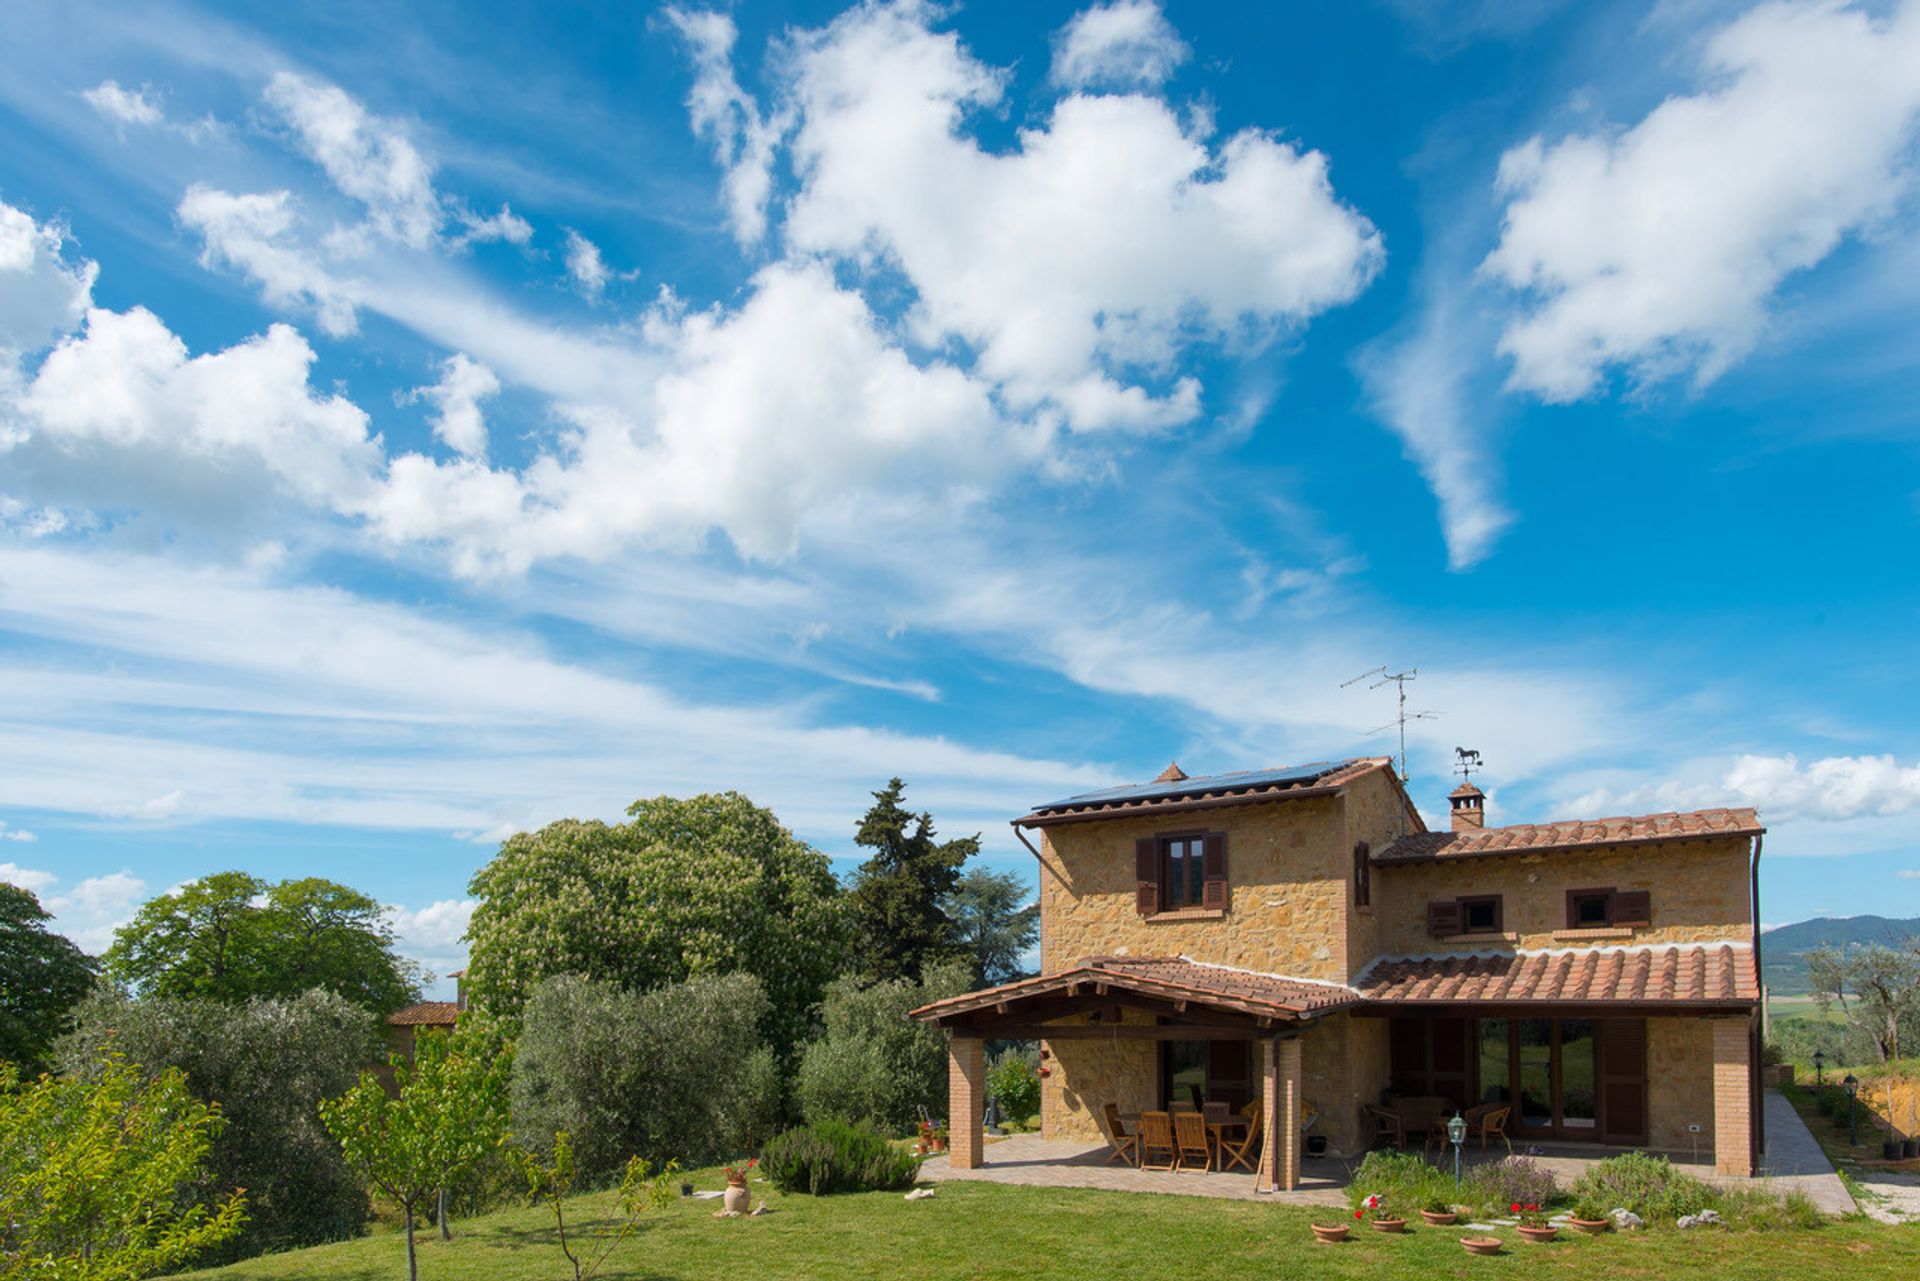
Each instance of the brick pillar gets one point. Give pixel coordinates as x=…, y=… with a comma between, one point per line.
x=1280, y=1106
x=966, y=1097
x=1732, y=1098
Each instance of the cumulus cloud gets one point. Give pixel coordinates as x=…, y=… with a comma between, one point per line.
x=88, y=913
x=1656, y=249
x=435, y=934
x=1125, y=44
x=585, y=265
x=464, y=383
x=19, y=835
x=123, y=106
x=256, y=233
x=505, y=225
x=366, y=157
x=42, y=295
x=743, y=138
x=1080, y=263
x=1831, y=789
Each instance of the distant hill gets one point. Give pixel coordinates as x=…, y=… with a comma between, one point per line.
x=1783, y=951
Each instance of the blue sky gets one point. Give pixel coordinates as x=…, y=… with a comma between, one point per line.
x=420, y=422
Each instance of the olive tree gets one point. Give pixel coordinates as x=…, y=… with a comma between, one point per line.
x=704, y=886
x=875, y=1066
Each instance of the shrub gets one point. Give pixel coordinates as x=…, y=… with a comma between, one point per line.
x=1647, y=1185
x=833, y=1156
x=1401, y=1179
x=1014, y=1079
x=268, y=1062
x=678, y=1072
x=1514, y=1180
x=874, y=1066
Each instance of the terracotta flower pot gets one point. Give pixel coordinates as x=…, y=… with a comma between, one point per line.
x=1330, y=1233
x=1539, y=1234
x=1592, y=1227
x=737, y=1198
x=1389, y=1225
x=1440, y=1218
x=1481, y=1245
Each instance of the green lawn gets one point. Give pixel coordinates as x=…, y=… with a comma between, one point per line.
x=983, y=1230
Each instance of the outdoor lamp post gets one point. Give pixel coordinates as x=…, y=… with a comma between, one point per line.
x=1457, y=1134
x=1819, y=1067
x=1852, y=1083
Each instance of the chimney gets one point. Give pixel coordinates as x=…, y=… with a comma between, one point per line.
x=1469, y=807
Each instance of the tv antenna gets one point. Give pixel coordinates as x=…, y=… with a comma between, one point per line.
x=1400, y=680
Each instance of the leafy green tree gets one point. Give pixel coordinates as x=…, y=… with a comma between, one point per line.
x=704, y=886
x=874, y=1066
x=550, y=1179
x=42, y=977
x=1877, y=989
x=899, y=895
x=231, y=936
x=996, y=921
x=91, y=1172
x=678, y=1072
x=268, y=1062
x=448, y=1110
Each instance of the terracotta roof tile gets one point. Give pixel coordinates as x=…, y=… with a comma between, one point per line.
x=1711, y=974
x=1246, y=787
x=426, y=1014
x=1168, y=977
x=1529, y=838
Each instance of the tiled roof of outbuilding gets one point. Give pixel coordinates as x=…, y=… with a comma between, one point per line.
x=426, y=1014
x=1532, y=838
x=1681, y=974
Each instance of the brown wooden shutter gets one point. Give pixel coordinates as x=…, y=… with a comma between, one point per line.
x=1623, y=1080
x=1146, y=875
x=1632, y=907
x=1214, y=868
x=1443, y=917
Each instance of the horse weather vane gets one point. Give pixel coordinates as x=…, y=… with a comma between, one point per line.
x=1381, y=676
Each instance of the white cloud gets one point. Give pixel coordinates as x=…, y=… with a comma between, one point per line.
x=743, y=138
x=255, y=232
x=1831, y=789
x=585, y=265
x=41, y=295
x=1124, y=44
x=123, y=106
x=463, y=384
x=1083, y=261
x=1657, y=249
x=1909, y=873
x=91, y=911
x=434, y=934
x=366, y=157
x=27, y=878
x=504, y=226
x=16, y=834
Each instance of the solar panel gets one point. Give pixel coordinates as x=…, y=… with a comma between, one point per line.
x=1191, y=786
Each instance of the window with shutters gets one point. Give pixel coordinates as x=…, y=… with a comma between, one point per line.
x=1480, y=915
x=1599, y=908
x=1183, y=872
x=1362, y=875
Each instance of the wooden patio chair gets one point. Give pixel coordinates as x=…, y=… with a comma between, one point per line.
x=1243, y=1151
x=1190, y=1133
x=1490, y=1119
x=1126, y=1147
x=1156, y=1135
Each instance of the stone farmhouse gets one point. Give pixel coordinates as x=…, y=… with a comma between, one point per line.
x=1300, y=937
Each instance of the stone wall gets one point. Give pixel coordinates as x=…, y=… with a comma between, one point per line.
x=1082, y=1075
x=1699, y=893
x=1679, y=1084
x=1287, y=868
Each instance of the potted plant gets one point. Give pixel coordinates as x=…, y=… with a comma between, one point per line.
x=1329, y=1233
x=1383, y=1219
x=738, y=1197
x=1481, y=1245
x=1533, y=1222
x=940, y=1137
x=1439, y=1213
x=1589, y=1217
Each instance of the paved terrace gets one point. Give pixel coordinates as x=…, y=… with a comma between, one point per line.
x=1793, y=1162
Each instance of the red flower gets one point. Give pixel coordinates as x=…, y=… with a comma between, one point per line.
x=1359, y=1214
x=1516, y=1207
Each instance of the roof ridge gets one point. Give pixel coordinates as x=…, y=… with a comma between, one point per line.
x=1264, y=974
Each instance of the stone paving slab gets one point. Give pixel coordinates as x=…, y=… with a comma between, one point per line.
x=1027, y=1160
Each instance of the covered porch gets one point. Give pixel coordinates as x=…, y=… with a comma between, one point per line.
x=1118, y=1018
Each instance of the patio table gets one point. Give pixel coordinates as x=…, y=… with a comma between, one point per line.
x=1215, y=1129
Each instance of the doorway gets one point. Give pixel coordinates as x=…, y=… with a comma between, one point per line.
x=1202, y=1072
x=1574, y=1080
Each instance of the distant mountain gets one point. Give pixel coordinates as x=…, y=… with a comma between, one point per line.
x=1783, y=951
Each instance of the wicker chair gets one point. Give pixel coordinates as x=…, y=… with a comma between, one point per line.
x=1190, y=1134
x=1156, y=1135
x=1126, y=1147
x=1490, y=1118
x=1386, y=1124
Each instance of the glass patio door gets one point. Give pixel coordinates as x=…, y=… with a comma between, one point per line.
x=1550, y=1069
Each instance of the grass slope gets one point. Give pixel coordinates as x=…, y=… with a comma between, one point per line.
x=986, y=1231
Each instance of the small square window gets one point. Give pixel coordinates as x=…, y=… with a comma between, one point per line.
x=1480, y=915
x=1592, y=909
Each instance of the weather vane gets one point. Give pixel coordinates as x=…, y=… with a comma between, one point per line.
x=1465, y=762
